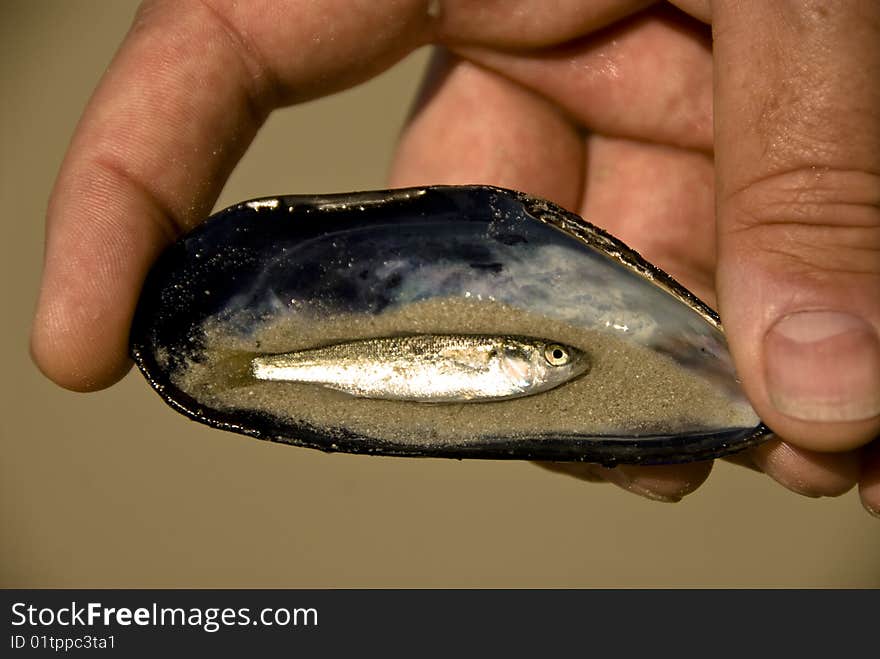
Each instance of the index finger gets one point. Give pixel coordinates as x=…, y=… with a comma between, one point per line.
x=181, y=101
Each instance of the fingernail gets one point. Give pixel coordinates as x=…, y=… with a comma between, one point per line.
x=870, y=495
x=872, y=507
x=823, y=366
x=635, y=488
x=623, y=480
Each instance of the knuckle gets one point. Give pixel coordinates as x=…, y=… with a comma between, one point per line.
x=814, y=216
x=181, y=33
x=810, y=194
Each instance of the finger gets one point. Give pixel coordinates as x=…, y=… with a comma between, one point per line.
x=699, y=9
x=472, y=126
x=659, y=200
x=526, y=23
x=647, y=78
x=869, y=481
x=181, y=101
x=798, y=166
x=808, y=472
x=578, y=470
x=665, y=483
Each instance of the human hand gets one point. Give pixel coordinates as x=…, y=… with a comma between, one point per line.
x=607, y=111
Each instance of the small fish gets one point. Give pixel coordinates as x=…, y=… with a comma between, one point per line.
x=429, y=368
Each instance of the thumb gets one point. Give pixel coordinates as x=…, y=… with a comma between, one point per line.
x=797, y=138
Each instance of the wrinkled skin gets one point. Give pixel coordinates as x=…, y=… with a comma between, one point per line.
x=735, y=144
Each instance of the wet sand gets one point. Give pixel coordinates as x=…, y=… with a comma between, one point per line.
x=630, y=389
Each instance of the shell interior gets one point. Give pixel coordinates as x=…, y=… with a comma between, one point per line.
x=293, y=273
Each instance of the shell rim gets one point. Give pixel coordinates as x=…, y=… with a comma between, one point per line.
x=605, y=450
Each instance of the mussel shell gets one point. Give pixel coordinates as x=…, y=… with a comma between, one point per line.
x=370, y=252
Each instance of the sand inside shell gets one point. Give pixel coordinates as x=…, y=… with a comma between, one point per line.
x=630, y=389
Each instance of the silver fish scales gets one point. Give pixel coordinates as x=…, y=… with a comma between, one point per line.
x=431, y=368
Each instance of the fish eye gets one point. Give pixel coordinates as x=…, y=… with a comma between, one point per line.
x=556, y=355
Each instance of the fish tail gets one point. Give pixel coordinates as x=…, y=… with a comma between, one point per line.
x=282, y=367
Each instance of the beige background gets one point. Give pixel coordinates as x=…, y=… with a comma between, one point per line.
x=115, y=489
